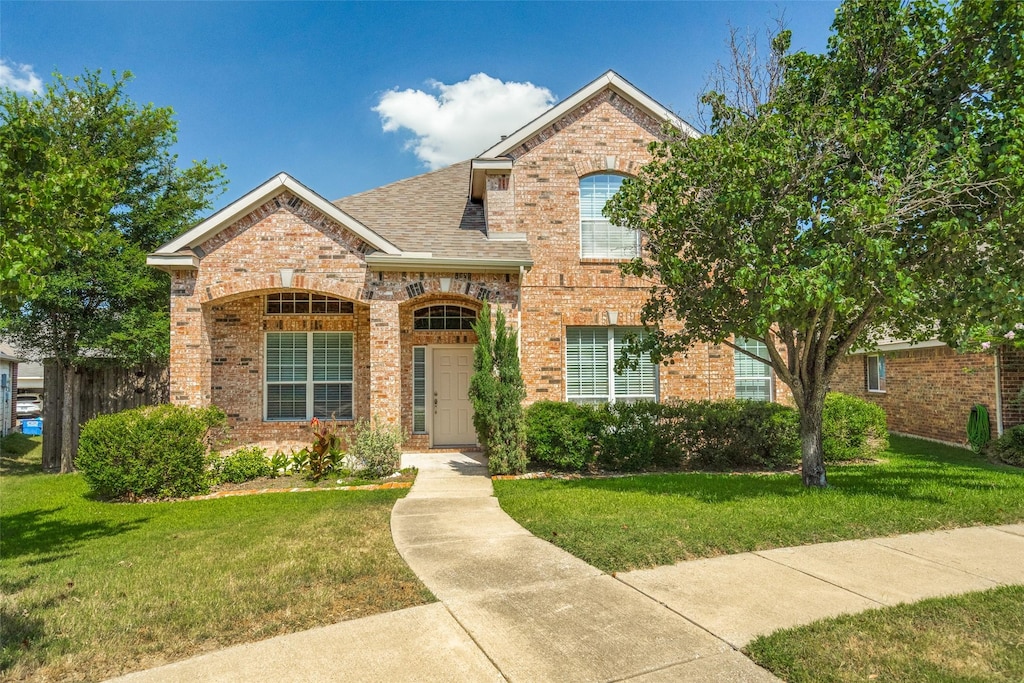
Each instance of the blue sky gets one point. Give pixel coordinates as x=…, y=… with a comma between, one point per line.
x=306, y=88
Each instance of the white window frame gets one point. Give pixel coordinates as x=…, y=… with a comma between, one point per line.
x=592, y=224
x=309, y=381
x=615, y=340
x=879, y=372
x=767, y=377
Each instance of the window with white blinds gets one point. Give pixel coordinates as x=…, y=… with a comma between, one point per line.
x=590, y=377
x=599, y=238
x=309, y=375
x=419, y=389
x=753, y=378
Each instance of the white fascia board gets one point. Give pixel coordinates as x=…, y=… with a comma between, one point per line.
x=478, y=169
x=262, y=194
x=173, y=261
x=898, y=345
x=609, y=79
x=411, y=261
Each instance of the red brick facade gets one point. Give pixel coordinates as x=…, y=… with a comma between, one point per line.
x=219, y=323
x=930, y=391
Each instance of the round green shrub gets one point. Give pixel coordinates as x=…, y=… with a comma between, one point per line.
x=561, y=435
x=1009, y=448
x=852, y=428
x=154, y=451
x=245, y=464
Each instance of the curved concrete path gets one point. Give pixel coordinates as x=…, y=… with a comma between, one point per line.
x=516, y=608
x=537, y=612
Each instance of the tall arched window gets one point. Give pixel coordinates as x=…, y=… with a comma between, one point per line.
x=599, y=237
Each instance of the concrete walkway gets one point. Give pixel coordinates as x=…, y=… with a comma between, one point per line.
x=537, y=612
x=516, y=608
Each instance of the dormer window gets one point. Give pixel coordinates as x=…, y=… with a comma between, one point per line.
x=599, y=237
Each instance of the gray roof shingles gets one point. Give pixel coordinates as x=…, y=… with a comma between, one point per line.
x=431, y=213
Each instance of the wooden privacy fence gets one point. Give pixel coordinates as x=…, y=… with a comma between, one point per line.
x=102, y=388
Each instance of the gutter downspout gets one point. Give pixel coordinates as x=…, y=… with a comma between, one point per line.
x=999, y=395
x=519, y=315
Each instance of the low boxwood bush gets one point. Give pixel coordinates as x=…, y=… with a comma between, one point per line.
x=561, y=435
x=1009, y=448
x=244, y=464
x=154, y=451
x=852, y=428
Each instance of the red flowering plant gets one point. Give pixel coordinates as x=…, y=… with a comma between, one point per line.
x=325, y=453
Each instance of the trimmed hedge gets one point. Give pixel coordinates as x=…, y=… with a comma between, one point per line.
x=632, y=437
x=852, y=428
x=154, y=451
x=1009, y=448
x=561, y=435
x=695, y=435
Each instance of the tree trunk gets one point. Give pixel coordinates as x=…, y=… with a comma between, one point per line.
x=67, y=413
x=812, y=455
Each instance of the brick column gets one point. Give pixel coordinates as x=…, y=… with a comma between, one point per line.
x=190, y=343
x=385, y=363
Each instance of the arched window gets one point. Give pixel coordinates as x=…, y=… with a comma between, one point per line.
x=444, y=317
x=599, y=237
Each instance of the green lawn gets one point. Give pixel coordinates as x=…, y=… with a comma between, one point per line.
x=93, y=589
x=626, y=523
x=973, y=637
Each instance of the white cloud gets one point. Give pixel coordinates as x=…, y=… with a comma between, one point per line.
x=19, y=77
x=463, y=118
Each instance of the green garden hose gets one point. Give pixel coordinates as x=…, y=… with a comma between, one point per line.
x=977, y=428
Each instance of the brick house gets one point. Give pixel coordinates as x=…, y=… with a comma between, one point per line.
x=285, y=305
x=928, y=389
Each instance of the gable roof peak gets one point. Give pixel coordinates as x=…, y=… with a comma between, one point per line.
x=609, y=80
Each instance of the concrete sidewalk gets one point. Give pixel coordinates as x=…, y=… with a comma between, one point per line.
x=516, y=608
x=537, y=612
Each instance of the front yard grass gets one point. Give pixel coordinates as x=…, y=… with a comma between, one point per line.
x=92, y=589
x=624, y=523
x=972, y=637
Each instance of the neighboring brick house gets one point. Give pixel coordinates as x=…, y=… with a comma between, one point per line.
x=928, y=389
x=285, y=305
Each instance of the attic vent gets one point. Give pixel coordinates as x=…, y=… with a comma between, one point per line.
x=414, y=290
x=365, y=248
x=295, y=202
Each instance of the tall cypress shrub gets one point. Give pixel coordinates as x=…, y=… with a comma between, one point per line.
x=483, y=385
x=497, y=392
x=509, y=438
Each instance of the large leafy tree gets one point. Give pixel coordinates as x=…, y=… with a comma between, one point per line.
x=874, y=192
x=90, y=187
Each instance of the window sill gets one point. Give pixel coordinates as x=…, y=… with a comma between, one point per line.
x=302, y=420
x=590, y=261
x=876, y=391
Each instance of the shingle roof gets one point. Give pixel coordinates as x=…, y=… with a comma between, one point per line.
x=431, y=213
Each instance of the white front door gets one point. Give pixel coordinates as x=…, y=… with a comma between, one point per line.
x=453, y=413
